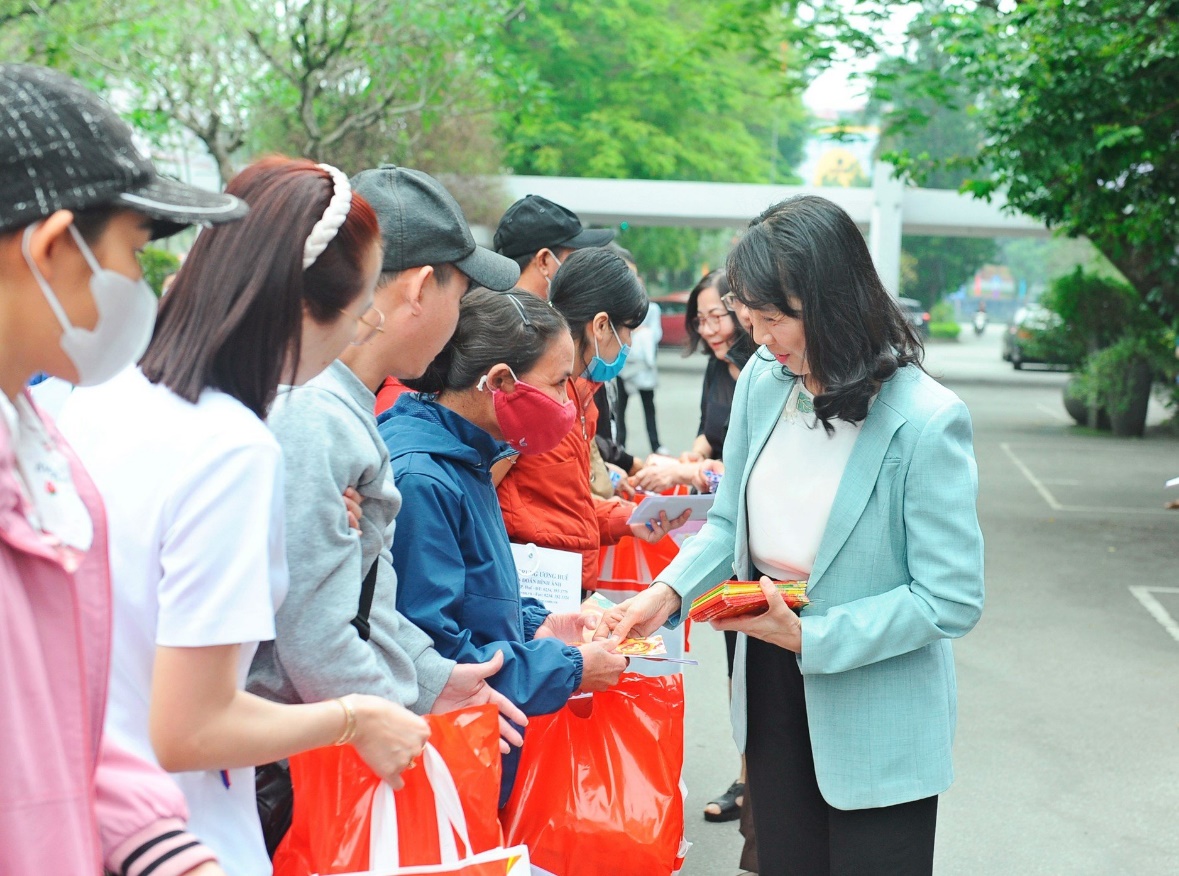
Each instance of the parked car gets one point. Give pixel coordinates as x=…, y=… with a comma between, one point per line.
x=917, y=314
x=1018, y=348
x=673, y=306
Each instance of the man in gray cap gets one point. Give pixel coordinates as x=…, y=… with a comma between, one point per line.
x=338, y=629
x=538, y=234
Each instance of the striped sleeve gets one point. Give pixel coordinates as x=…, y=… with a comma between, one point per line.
x=141, y=818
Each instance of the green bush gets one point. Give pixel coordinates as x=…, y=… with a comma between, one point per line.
x=943, y=311
x=157, y=264
x=1105, y=381
x=944, y=330
x=1095, y=312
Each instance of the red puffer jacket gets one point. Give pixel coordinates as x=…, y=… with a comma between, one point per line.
x=546, y=499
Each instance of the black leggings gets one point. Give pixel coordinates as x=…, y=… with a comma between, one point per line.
x=798, y=832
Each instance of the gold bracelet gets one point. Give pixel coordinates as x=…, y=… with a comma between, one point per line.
x=349, y=722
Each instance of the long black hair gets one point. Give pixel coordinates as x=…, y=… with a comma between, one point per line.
x=741, y=346
x=595, y=280
x=857, y=337
x=513, y=327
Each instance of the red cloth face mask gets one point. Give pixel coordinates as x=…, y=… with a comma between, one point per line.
x=532, y=421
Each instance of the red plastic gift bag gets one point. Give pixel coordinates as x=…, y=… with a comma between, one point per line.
x=385, y=847
x=598, y=789
x=334, y=791
x=631, y=565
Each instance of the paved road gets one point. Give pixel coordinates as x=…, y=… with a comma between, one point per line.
x=1068, y=745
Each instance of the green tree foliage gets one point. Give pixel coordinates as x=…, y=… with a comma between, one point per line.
x=1078, y=101
x=353, y=81
x=651, y=89
x=1037, y=261
x=934, y=122
x=656, y=89
x=942, y=264
x=157, y=265
x=1096, y=311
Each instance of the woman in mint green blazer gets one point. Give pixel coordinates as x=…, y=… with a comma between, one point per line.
x=849, y=466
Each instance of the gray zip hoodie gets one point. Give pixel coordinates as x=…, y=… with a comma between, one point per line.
x=330, y=441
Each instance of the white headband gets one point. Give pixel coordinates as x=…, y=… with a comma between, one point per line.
x=333, y=217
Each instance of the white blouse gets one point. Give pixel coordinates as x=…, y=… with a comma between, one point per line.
x=792, y=487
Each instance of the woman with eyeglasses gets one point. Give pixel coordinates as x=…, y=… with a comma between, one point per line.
x=851, y=468
x=712, y=323
x=193, y=487
x=498, y=385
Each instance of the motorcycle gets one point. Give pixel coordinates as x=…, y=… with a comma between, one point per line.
x=979, y=322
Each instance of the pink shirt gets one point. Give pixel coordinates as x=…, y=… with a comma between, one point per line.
x=72, y=803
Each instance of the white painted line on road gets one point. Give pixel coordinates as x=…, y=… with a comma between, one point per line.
x=1032, y=479
x=1055, y=414
x=1046, y=494
x=1145, y=595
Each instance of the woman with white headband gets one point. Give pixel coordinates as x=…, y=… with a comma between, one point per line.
x=192, y=481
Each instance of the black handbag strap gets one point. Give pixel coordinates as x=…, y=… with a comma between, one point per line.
x=367, y=588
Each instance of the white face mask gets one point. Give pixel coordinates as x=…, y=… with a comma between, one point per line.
x=126, y=316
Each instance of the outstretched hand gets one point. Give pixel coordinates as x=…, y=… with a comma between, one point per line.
x=467, y=686
x=641, y=615
x=656, y=528
x=572, y=628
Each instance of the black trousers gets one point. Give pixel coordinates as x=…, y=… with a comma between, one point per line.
x=798, y=833
x=648, y=399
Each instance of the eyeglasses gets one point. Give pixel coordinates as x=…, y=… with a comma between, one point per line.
x=712, y=320
x=730, y=301
x=371, y=322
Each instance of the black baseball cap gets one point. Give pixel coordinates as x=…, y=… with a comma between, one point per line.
x=422, y=224
x=533, y=223
x=63, y=148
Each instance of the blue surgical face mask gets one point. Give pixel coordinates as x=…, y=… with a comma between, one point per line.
x=599, y=370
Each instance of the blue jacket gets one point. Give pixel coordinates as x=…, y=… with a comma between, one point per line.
x=898, y=574
x=454, y=560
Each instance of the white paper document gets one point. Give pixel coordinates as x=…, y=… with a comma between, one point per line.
x=650, y=507
x=553, y=577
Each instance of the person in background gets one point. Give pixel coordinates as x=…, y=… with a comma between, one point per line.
x=77, y=202
x=546, y=498
x=641, y=377
x=610, y=462
x=193, y=485
x=539, y=235
x=501, y=380
x=712, y=324
x=852, y=468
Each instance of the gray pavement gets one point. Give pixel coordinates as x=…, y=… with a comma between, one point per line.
x=1067, y=754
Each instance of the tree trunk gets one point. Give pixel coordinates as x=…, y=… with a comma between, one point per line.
x=224, y=165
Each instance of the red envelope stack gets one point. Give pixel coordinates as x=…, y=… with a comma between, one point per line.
x=733, y=598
